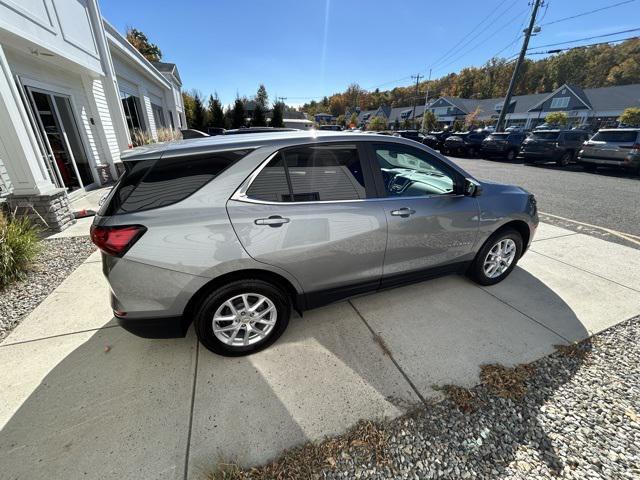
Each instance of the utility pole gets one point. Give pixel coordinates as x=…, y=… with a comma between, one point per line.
x=516, y=70
x=413, y=117
x=426, y=102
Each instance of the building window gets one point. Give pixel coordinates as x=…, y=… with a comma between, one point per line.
x=440, y=111
x=173, y=126
x=158, y=116
x=560, y=102
x=132, y=111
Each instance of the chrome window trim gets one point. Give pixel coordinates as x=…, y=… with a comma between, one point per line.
x=240, y=194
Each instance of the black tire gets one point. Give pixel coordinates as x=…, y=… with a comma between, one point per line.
x=476, y=270
x=565, y=159
x=589, y=167
x=208, y=306
x=511, y=155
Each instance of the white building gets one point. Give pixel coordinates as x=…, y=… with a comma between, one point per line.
x=71, y=91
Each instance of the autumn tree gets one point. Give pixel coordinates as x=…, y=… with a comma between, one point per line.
x=139, y=40
x=557, y=118
x=189, y=103
x=377, y=124
x=471, y=120
x=630, y=117
x=353, y=120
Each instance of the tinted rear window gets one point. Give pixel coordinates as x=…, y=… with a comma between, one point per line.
x=545, y=135
x=616, y=137
x=498, y=136
x=149, y=184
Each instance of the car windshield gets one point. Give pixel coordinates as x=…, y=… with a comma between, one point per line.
x=616, y=136
x=545, y=135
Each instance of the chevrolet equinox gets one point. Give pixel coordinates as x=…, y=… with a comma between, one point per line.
x=233, y=232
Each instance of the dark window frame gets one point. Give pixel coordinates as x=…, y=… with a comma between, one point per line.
x=369, y=181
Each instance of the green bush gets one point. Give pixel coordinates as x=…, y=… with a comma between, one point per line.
x=19, y=244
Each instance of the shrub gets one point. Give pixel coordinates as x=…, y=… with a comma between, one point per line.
x=557, y=118
x=19, y=244
x=630, y=117
x=168, y=135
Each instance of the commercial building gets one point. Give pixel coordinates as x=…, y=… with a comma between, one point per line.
x=72, y=93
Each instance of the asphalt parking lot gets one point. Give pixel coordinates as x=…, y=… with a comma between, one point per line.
x=609, y=198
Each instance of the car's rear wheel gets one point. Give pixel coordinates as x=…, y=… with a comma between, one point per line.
x=565, y=159
x=242, y=317
x=497, y=257
x=511, y=155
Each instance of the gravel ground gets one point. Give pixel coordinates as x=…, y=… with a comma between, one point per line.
x=577, y=416
x=580, y=418
x=59, y=257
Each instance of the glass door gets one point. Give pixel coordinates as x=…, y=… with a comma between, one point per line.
x=59, y=130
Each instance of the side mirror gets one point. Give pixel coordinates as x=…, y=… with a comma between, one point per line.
x=472, y=188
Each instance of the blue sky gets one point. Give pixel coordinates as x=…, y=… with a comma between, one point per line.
x=310, y=48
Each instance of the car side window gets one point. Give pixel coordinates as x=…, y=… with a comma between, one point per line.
x=409, y=172
x=308, y=174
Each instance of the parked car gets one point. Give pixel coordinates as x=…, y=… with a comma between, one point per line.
x=503, y=145
x=468, y=143
x=560, y=146
x=410, y=134
x=332, y=128
x=436, y=140
x=233, y=232
x=612, y=147
x=189, y=133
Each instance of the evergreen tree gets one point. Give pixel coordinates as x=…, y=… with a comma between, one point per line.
x=215, y=114
x=140, y=42
x=262, y=98
x=258, y=118
x=238, y=114
x=278, y=113
x=199, y=114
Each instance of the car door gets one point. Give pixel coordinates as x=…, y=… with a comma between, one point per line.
x=307, y=212
x=432, y=225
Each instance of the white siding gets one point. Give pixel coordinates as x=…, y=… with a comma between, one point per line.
x=5, y=183
x=105, y=118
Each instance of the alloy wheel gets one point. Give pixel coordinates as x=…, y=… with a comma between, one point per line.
x=244, y=319
x=499, y=258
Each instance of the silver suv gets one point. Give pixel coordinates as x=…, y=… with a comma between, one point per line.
x=233, y=232
x=612, y=147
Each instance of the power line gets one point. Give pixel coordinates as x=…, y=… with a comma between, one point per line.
x=587, y=38
x=465, y=41
x=481, y=43
x=587, y=13
x=558, y=50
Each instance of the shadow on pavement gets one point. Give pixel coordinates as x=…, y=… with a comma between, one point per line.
x=107, y=404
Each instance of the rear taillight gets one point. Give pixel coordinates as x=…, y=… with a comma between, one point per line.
x=116, y=240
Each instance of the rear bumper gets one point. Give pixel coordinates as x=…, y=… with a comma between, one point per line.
x=167, y=327
x=632, y=163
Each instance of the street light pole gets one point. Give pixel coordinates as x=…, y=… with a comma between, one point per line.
x=516, y=70
x=426, y=101
x=413, y=117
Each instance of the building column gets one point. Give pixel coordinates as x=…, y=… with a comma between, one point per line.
x=111, y=90
x=33, y=194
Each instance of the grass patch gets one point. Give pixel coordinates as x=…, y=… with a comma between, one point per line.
x=19, y=245
x=506, y=382
x=366, y=441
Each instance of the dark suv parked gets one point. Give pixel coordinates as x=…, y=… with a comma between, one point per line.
x=468, y=143
x=560, y=146
x=436, y=140
x=503, y=145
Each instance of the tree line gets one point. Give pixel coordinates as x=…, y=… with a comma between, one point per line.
x=243, y=113
x=588, y=67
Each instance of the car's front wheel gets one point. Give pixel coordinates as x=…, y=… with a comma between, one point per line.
x=497, y=257
x=242, y=317
x=565, y=159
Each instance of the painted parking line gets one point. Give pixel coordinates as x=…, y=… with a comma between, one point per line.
x=625, y=236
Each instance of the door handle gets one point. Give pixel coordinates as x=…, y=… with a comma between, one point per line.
x=403, y=212
x=272, y=221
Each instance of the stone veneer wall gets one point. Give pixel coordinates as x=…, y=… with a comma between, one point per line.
x=53, y=208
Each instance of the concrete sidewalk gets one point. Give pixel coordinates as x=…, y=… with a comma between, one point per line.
x=81, y=398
